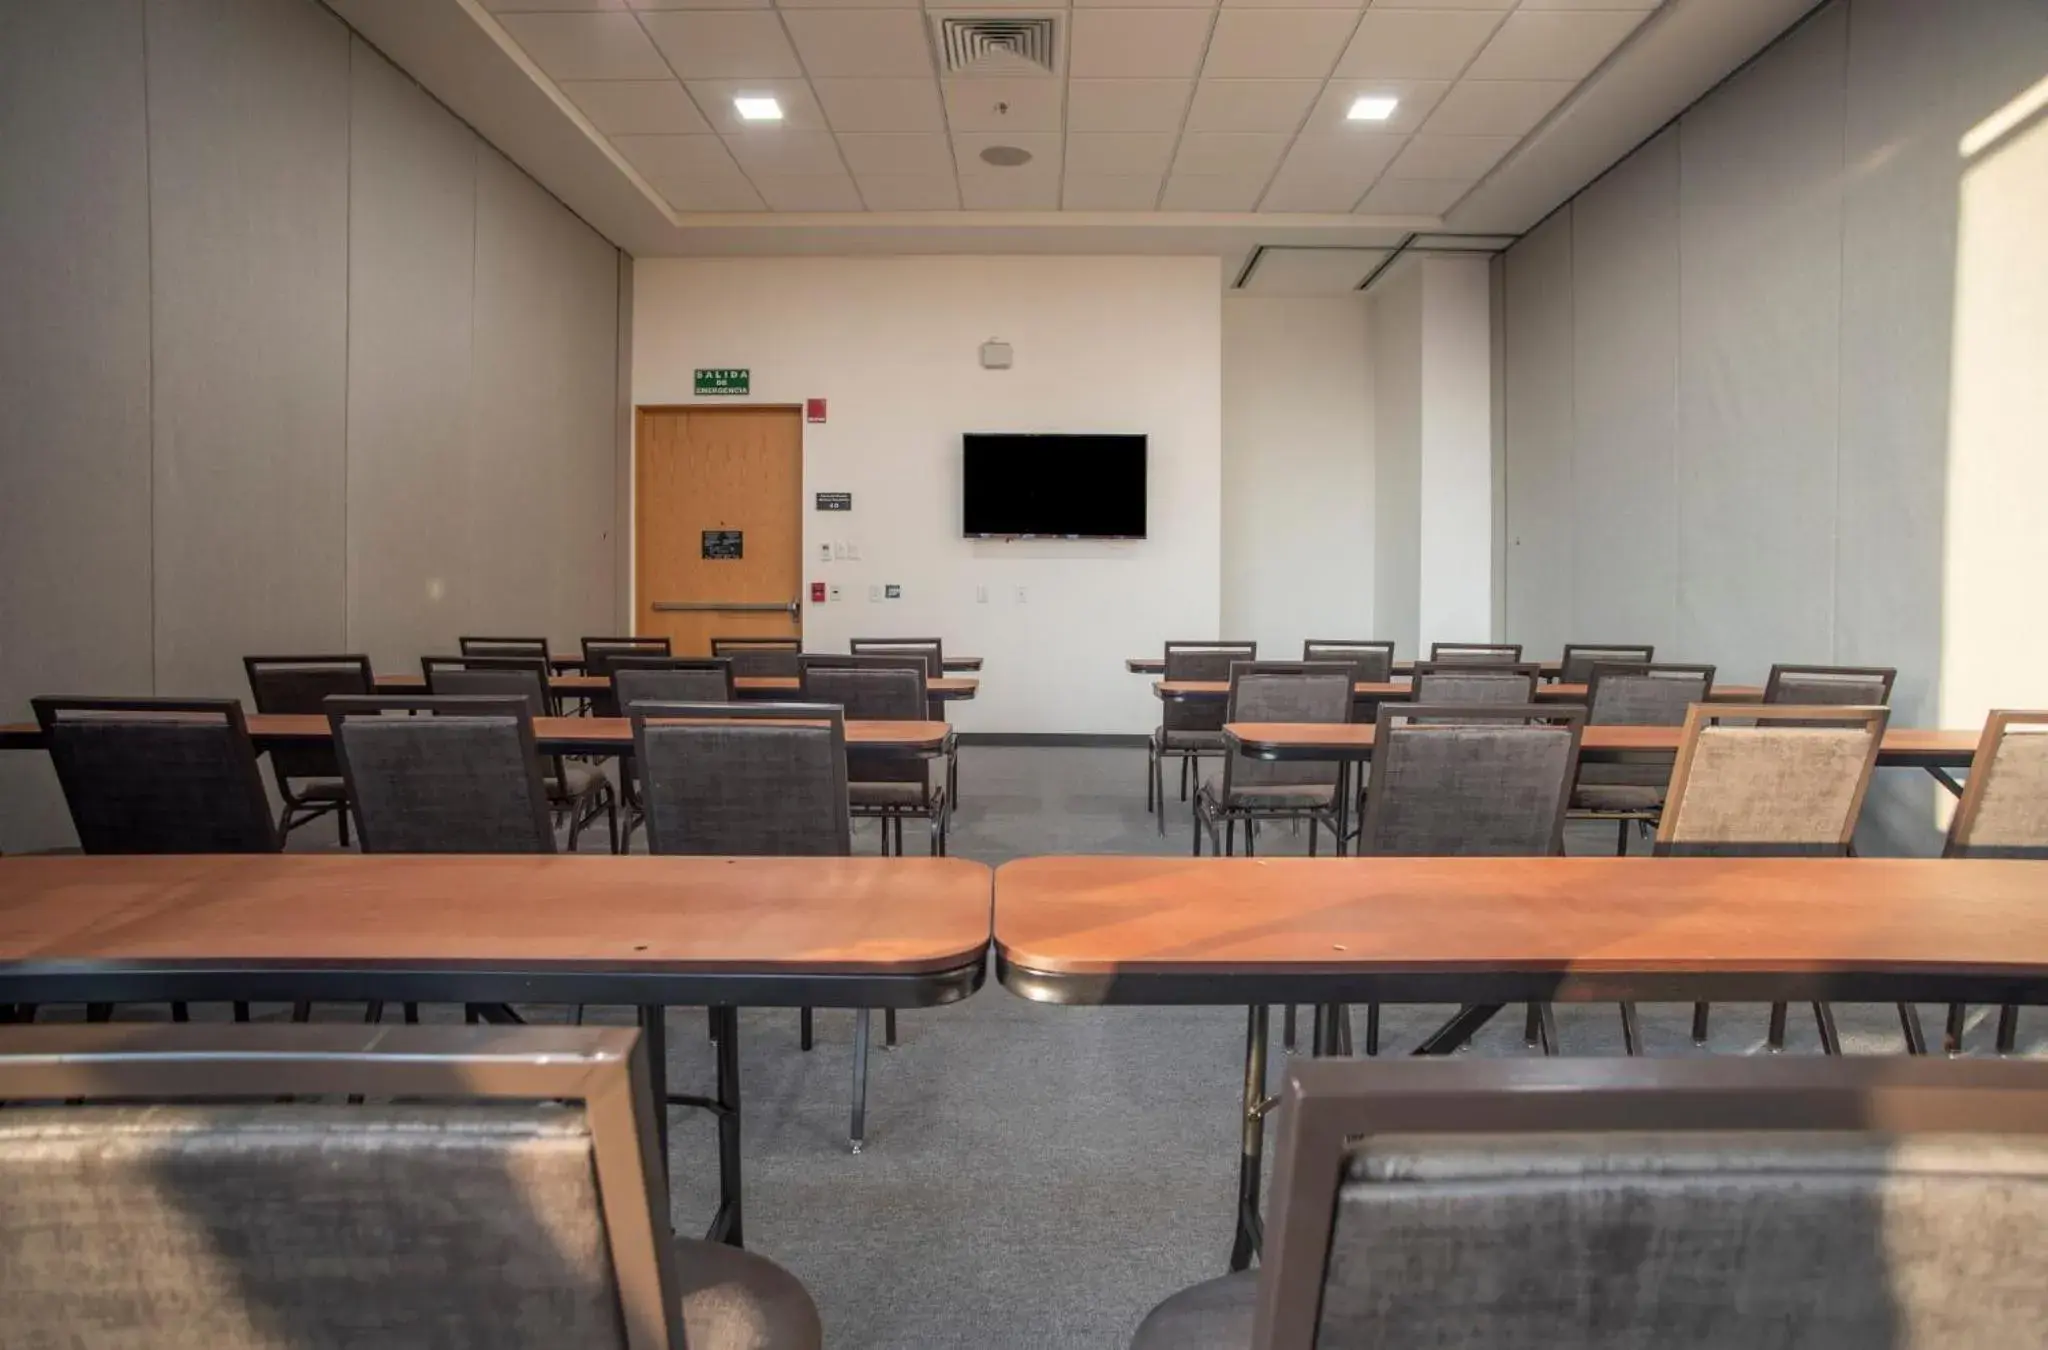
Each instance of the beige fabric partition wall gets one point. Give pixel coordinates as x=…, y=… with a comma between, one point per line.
x=290, y=357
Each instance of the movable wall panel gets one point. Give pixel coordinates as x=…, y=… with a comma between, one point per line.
x=1538, y=399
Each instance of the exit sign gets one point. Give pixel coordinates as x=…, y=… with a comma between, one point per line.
x=722, y=383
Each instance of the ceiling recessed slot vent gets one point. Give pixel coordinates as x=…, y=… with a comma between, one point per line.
x=980, y=45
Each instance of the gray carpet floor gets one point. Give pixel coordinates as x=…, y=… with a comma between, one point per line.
x=1037, y=1177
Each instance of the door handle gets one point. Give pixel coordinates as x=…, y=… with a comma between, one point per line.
x=789, y=607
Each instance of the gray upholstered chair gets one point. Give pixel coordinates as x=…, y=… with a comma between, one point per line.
x=670, y=679
x=1470, y=781
x=599, y=651
x=1189, y=730
x=308, y=780
x=158, y=775
x=886, y=789
x=760, y=657
x=578, y=792
x=2003, y=814
x=154, y=1191
x=1250, y=791
x=1575, y=666
x=453, y=775
x=1633, y=694
x=1371, y=662
x=1787, y=781
x=1476, y=653
x=931, y=650
x=504, y=646
x=1720, y=1204
x=1472, y=681
x=1854, y=686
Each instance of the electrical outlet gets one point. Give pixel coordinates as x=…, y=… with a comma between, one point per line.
x=1021, y=593
x=874, y=594
x=836, y=593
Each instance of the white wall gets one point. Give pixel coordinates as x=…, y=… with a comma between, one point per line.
x=1102, y=344
x=1773, y=384
x=1394, y=320
x=290, y=360
x=1297, y=471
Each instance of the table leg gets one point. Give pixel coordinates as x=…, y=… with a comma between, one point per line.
x=728, y=1227
x=1252, y=1149
x=654, y=1031
x=1453, y=1035
x=1343, y=802
x=1945, y=778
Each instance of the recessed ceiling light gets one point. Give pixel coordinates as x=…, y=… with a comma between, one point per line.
x=1372, y=109
x=757, y=108
x=1006, y=156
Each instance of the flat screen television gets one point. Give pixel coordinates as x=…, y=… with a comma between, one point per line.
x=1058, y=487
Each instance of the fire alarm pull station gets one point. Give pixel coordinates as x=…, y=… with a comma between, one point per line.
x=817, y=592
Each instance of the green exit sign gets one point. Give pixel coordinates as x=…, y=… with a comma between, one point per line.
x=720, y=383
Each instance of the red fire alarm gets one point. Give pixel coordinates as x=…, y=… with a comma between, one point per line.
x=817, y=592
x=814, y=410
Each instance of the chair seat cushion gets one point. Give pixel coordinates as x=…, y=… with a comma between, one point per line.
x=905, y=796
x=1188, y=740
x=735, y=1300
x=1213, y=1315
x=1272, y=796
x=577, y=780
x=319, y=789
x=1616, y=797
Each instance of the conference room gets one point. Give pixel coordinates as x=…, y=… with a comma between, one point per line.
x=1178, y=674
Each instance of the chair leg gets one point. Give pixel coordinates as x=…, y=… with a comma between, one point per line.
x=1311, y=836
x=1151, y=772
x=611, y=819
x=1621, y=839
x=858, y=1130
x=1910, y=1028
x=1775, y=1039
x=1340, y=1015
x=1287, y=1028
x=1229, y=838
x=2008, y=1028
x=241, y=1012
x=1197, y=814
x=1251, y=838
x=302, y=1012
x=1372, y=1028
x=803, y=1028
x=1631, y=1030
x=412, y=1013
x=1548, y=1022
x=1952, y=1033
x=341, y=824
x=181, y=1012
x=899, y=836
x=1830, y=1039
x=888, y=1028
x=1184, y=759
x=1532, y=1029
x=1699, y=1023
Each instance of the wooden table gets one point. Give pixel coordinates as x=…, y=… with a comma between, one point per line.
x=945, y=690
x=1156, y=665
x=1484, y=932
x=649, y=932
x=1212, y=691
x=552, y=735
x=574, y=661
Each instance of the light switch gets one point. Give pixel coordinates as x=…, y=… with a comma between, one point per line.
x=874, y=595
x=824, y=553
x=981, y=595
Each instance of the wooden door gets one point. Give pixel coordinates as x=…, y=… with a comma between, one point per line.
x=701, y=477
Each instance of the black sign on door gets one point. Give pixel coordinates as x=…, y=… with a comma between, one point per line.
x=723, y=544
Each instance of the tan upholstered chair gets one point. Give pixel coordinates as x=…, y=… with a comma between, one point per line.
x=1787, y=783
x=2003, y=814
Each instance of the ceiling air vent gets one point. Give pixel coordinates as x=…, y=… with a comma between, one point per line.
x=974, y=45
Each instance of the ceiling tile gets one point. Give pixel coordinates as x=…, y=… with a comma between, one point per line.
x=862, y=43
x=1251, y=105
x=516, y=6
x=1329, y=173
x=881, y=105
x=725, y=192
x=1352, y=5
x=1212, y=192
x=1274, y=43
x=1563, y=45
x=714, y=45
x=1229, y=154
x=1414, y=196
x=1109, y=192
x=800, y=111
x=688, y=4
x=905, y=192
x=1644, y=5
x=1333, y=110
x=1445, y=4
x=1044, y=147
x=923, y=153
x=801, y=4
x=1312, y=271
x=1416, y=44
x=1124, y=153
x=1018, y=192
x=1134, y=43
x=1003, y=105
x=779, y=150
x=1496, y=107
x=1467, y=157
x=1141, y=4
x=692, y=173
x=630, y=107
x=1126, y=105
x=807, y=192
x=587, y=46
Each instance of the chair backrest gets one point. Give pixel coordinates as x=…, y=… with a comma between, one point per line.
x=1642, y=694
x=2004, y=810
x=1855, y=686
x=160, y=1194
x=1791, y=785
x=1718, y=1202
x=302, y=684
x=1466, y=781
x=598, y=651
x=671, y=679
x=932, y=650
x=1205, y=661
x=453, y=775
x=761, y=779
x=1371, y=662
x=870, y=688
x=1472, y=682
x=1576, y=665
x=1476, y=653
x=504, y=646
x=158, y=775
x=760, y=657
x=1286, y=691
x=492, y=677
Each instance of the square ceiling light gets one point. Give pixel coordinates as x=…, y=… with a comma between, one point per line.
x=1372, y=108
x=757, y=108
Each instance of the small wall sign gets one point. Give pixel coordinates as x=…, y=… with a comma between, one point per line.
x=835, y=501
x=723, y=545
x=724, y=382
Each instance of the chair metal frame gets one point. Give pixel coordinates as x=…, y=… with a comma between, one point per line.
x=298, y=811
x=1645, y=818
x=505, y=646
x=1623, y=653
x=1485, y=653
x=1221, y=819
x=603, y=1068
x=597, y=662
x=1326, y=1106
x=1157, y=752
x=936, y=804
x=730, y=647
x=1363, y=654
x=1956, y=845
x=1888, y=675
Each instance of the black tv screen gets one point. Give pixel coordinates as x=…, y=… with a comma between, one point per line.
x=1069, y=487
